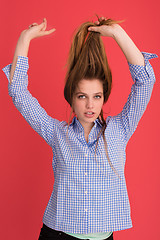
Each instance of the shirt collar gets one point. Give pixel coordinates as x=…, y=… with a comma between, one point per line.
x=76, y=122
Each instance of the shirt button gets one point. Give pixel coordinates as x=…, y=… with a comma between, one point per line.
x=60, y=233
x=85, y=174
x=85, y=192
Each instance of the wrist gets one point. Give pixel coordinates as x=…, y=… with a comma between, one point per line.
x=117, y=32
x=22, y=45
x=24, y=38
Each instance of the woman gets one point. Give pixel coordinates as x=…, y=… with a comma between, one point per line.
x=89, y=198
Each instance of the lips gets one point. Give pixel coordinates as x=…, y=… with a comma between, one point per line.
x=89, y=114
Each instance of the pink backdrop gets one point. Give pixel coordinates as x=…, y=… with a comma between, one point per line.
x=26, y=177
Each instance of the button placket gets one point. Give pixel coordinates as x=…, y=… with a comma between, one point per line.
x=86, y=157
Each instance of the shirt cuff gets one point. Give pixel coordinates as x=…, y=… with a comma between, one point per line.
x=142, y=73
x=20, y=69
x=20, y=77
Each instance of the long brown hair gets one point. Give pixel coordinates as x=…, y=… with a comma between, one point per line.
x=87, y=60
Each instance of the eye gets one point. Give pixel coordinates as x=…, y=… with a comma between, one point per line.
x=97, y=96
x=81, y=96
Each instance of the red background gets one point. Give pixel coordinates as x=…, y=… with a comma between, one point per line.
x=26, y=176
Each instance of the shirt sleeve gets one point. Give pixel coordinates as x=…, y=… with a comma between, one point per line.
x=141, y=90
x=28, y=105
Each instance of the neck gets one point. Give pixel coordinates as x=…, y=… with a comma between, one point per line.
x=87, y=128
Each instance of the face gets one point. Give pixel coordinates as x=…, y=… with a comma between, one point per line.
x=88, y=101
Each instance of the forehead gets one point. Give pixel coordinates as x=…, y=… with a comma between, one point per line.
x=90, y=85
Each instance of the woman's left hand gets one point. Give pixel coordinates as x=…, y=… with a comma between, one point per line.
x=104, y=30
x=130, y=50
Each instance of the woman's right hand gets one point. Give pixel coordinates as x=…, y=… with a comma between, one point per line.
x=36, y=30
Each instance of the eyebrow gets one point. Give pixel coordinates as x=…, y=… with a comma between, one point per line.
x=86, y=93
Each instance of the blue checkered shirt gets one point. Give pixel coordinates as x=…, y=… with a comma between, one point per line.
x=88, y=196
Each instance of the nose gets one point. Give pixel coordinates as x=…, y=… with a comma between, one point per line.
x=89, y=104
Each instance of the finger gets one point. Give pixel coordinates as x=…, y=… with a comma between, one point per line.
x=33, y=24
x=45, y=24
x=94, y=29
x=102, y=18
x=48, y=32
x=96, y=22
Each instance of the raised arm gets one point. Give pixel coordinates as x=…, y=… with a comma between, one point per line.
x=142, y=74
x=34, y=31
x=17, y=77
